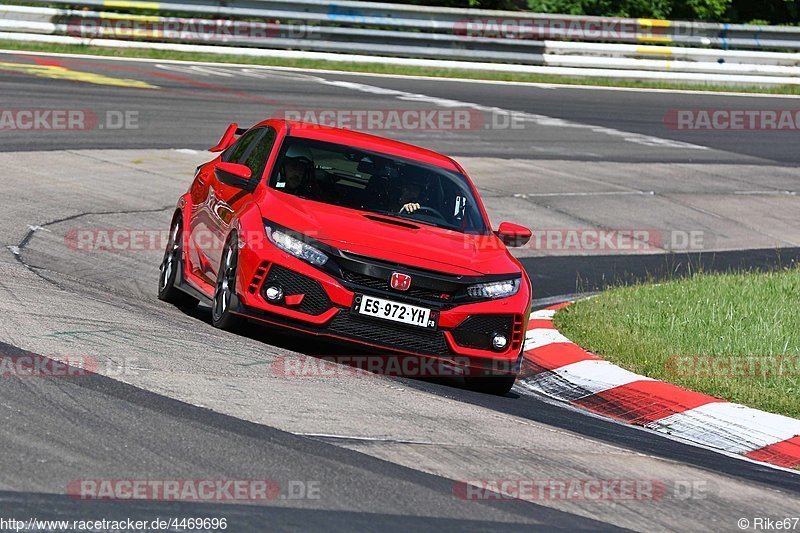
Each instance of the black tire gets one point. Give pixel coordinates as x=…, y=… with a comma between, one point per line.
x=225, y=289
x=172, y=267
x=497, y=385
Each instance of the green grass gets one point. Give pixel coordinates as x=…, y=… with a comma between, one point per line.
x=381, y=68
x=661, y=330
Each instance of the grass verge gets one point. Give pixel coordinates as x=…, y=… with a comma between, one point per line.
x=382, y=68
x=733, y=336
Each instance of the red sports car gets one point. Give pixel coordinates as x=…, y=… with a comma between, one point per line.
x=331, y=232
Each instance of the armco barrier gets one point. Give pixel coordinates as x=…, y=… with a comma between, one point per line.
x=467, y=24
x=558, y=44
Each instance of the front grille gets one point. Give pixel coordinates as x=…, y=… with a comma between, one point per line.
x=314, y=302
x=477, y=330
x=382, y=285
x=397, y=337
x=366, y=281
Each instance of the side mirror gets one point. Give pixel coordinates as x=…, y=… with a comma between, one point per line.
x=235, y=175
x=513, y=234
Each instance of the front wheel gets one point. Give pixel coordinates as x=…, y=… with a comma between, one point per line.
x=497, y=385
x=171, y=267
x=225, y=289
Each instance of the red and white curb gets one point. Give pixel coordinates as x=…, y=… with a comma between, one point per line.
x=558, y=368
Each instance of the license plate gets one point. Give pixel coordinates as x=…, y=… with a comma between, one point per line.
x=394, y=311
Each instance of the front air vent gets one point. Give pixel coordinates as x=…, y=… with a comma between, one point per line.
x=255, y=283
x=392, y=221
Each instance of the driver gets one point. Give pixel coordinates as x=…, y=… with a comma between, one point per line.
x=297, y=171
x=410, y=196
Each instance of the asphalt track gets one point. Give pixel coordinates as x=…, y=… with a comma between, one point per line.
x=190, y=99
x=191, y=402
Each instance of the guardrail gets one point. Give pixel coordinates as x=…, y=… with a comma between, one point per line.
x=465, y=37
x=474, y=23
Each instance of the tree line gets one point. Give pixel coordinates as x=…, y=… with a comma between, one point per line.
x=732, y=11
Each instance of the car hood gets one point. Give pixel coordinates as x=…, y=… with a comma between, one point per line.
x=373, y=235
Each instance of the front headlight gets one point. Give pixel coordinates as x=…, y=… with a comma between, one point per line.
x=296, y=247
x=495, y=289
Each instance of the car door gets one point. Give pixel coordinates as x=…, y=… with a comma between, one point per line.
x=226, y=200
x=203, y=260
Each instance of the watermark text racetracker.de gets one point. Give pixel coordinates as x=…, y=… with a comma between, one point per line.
x=120, y=239
x=195, y=490
x=189, y=29
x=28, y=365
x=455, y=119
x=50, y=119
x=385, y=365
x=609, y=241
x=552, y=240
x=148, y=240
x=733, y=366
x=573, y=28
x=733, y=120
x=583, y=489
x=32, y=365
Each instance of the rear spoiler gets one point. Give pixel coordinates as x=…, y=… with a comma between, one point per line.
x=228, y=138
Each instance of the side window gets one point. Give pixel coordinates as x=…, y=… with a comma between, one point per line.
x=257, y=156
x=236, y=153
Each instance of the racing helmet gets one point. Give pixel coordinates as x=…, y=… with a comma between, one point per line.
x=399, y=183
x=301, y=156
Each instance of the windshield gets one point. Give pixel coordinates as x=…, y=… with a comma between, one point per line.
x=349, y=177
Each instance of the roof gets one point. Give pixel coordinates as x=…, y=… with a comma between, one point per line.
x=369, y=142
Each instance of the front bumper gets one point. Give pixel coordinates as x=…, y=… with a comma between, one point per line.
x=319, y=302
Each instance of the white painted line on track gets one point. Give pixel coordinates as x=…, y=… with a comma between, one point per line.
x=367, y=439
x=600, y=193
x=538, y=85
x=537, y=119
